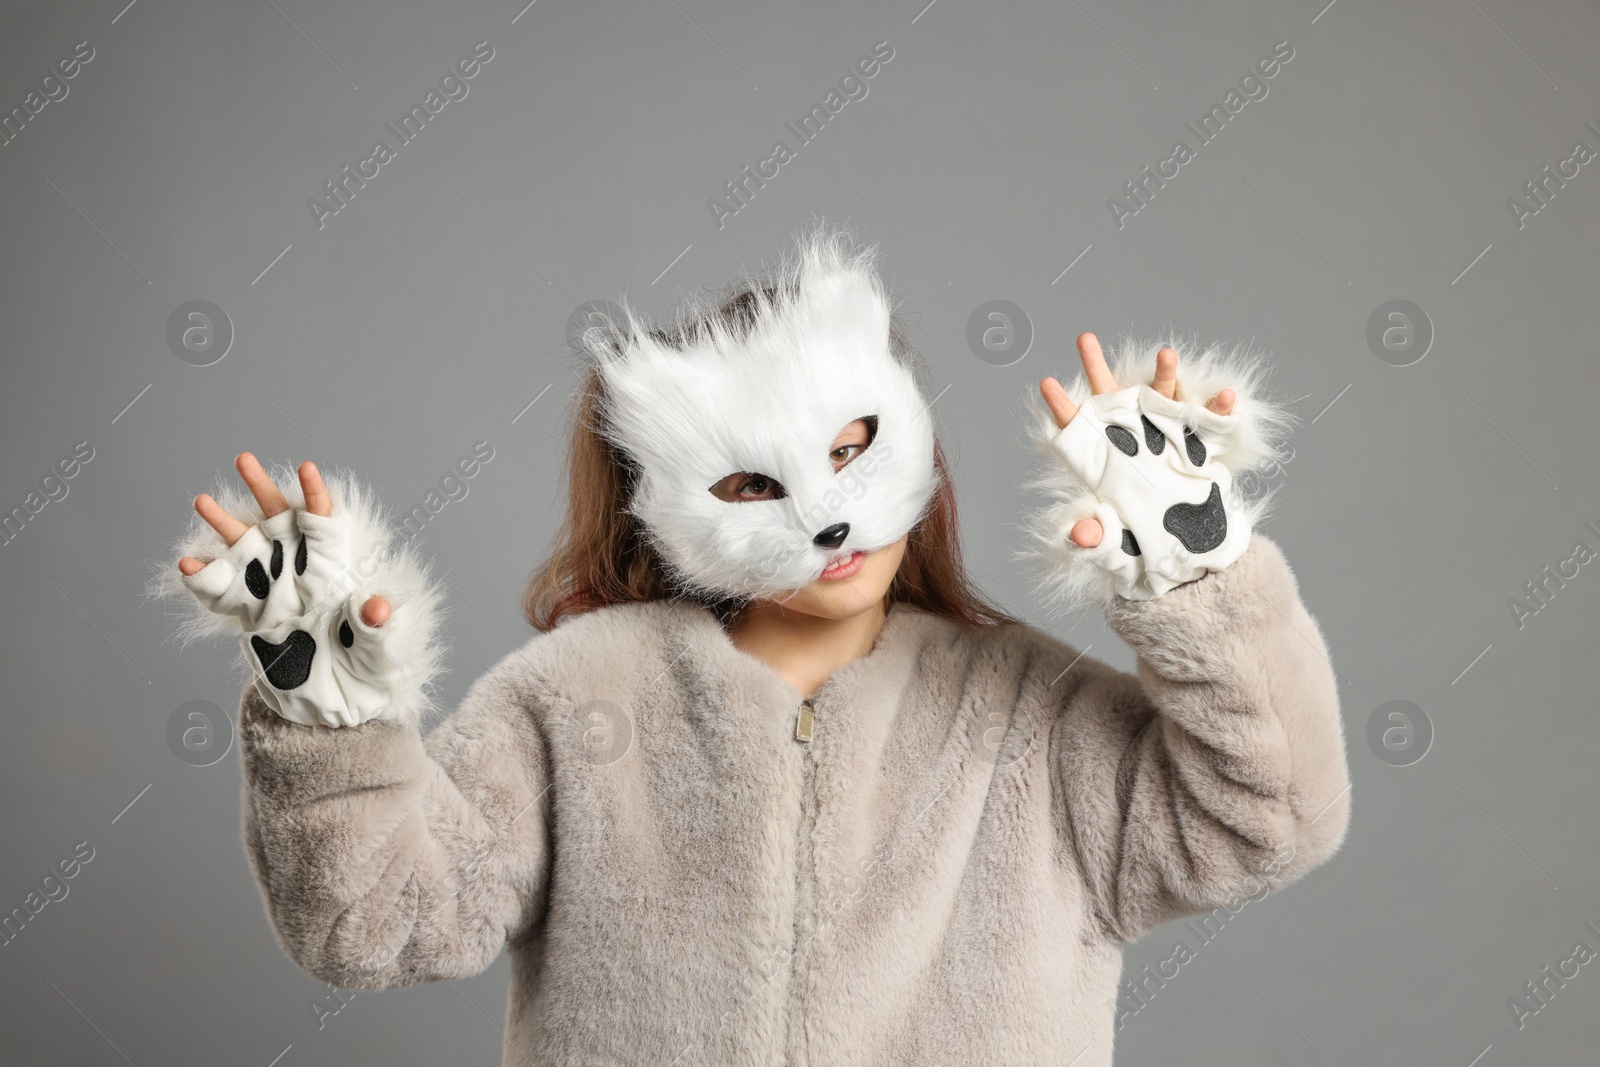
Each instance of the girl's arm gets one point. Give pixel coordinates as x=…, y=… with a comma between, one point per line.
x=1216, y=774
x=385, y=860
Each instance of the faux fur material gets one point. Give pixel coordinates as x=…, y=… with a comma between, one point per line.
x=696, y=402
x=944, y=875
x=401, y=659
x=1260, y=424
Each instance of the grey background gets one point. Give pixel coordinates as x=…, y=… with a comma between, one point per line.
x=426, y=315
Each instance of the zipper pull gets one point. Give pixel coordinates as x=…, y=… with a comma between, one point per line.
x=803, y=723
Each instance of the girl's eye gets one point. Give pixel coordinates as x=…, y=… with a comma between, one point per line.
x=747, y=485
x=857, y=437
x=845, y=453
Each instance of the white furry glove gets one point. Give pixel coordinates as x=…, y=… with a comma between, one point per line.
x=293, y=586
x=1158, y=474
x=1160, y=487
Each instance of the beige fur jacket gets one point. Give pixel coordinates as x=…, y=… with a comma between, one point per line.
x=944, y=873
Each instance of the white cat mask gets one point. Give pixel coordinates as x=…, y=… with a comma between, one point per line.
x=771, y=399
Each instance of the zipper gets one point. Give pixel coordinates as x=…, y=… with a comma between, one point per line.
x=804, y=722
x=795, y=1039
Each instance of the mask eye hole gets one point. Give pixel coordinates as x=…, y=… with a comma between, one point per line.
x=853, y=440
x=743, y=486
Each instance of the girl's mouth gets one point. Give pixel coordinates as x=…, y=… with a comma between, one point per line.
x=843, y=566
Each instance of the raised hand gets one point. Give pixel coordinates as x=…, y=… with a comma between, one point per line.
x=324, y=651
x=1089, y=532
x=375, y=612
x=1148, y=499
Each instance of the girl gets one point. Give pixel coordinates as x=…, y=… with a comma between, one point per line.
x=775, y=784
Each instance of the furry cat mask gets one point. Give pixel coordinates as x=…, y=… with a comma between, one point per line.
x=768, y=393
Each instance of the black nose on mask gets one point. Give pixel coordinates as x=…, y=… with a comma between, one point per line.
x=833, y=536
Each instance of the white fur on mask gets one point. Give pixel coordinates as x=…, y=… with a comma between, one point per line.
x=772, y=401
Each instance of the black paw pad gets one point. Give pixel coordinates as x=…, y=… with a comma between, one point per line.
x=1153, y=438
x=288, y=665
x=347, y=636
x=1201, y=527
x=1194, y=446
x=277, y=559
x=1130, y=543
x=1126, y=443
x=255, y=579
x=300, y=557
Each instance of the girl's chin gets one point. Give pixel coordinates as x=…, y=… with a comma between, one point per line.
x=835, y=602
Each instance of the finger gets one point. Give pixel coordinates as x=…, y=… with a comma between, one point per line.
x=375, y=612
x=1166, y=380
x=188, y=566
x=1094, y=364
x=1223, y=402
x=263, y=488
x=317, y=500
x=218, y=519
x=1088, y=533
x=1061, y=404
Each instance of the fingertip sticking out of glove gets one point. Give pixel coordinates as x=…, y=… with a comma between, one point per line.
x=1161, y=475
x=292, y=588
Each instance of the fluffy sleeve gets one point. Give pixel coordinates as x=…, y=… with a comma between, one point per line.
x=1216, y=773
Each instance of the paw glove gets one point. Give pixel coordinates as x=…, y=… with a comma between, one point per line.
x=1159, y=475
x=1161, y=489
x=293, y=586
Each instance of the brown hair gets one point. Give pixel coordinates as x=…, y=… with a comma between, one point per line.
x=602, y=554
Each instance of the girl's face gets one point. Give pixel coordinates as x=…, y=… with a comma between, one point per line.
x=787, y=462
x=853, y=580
